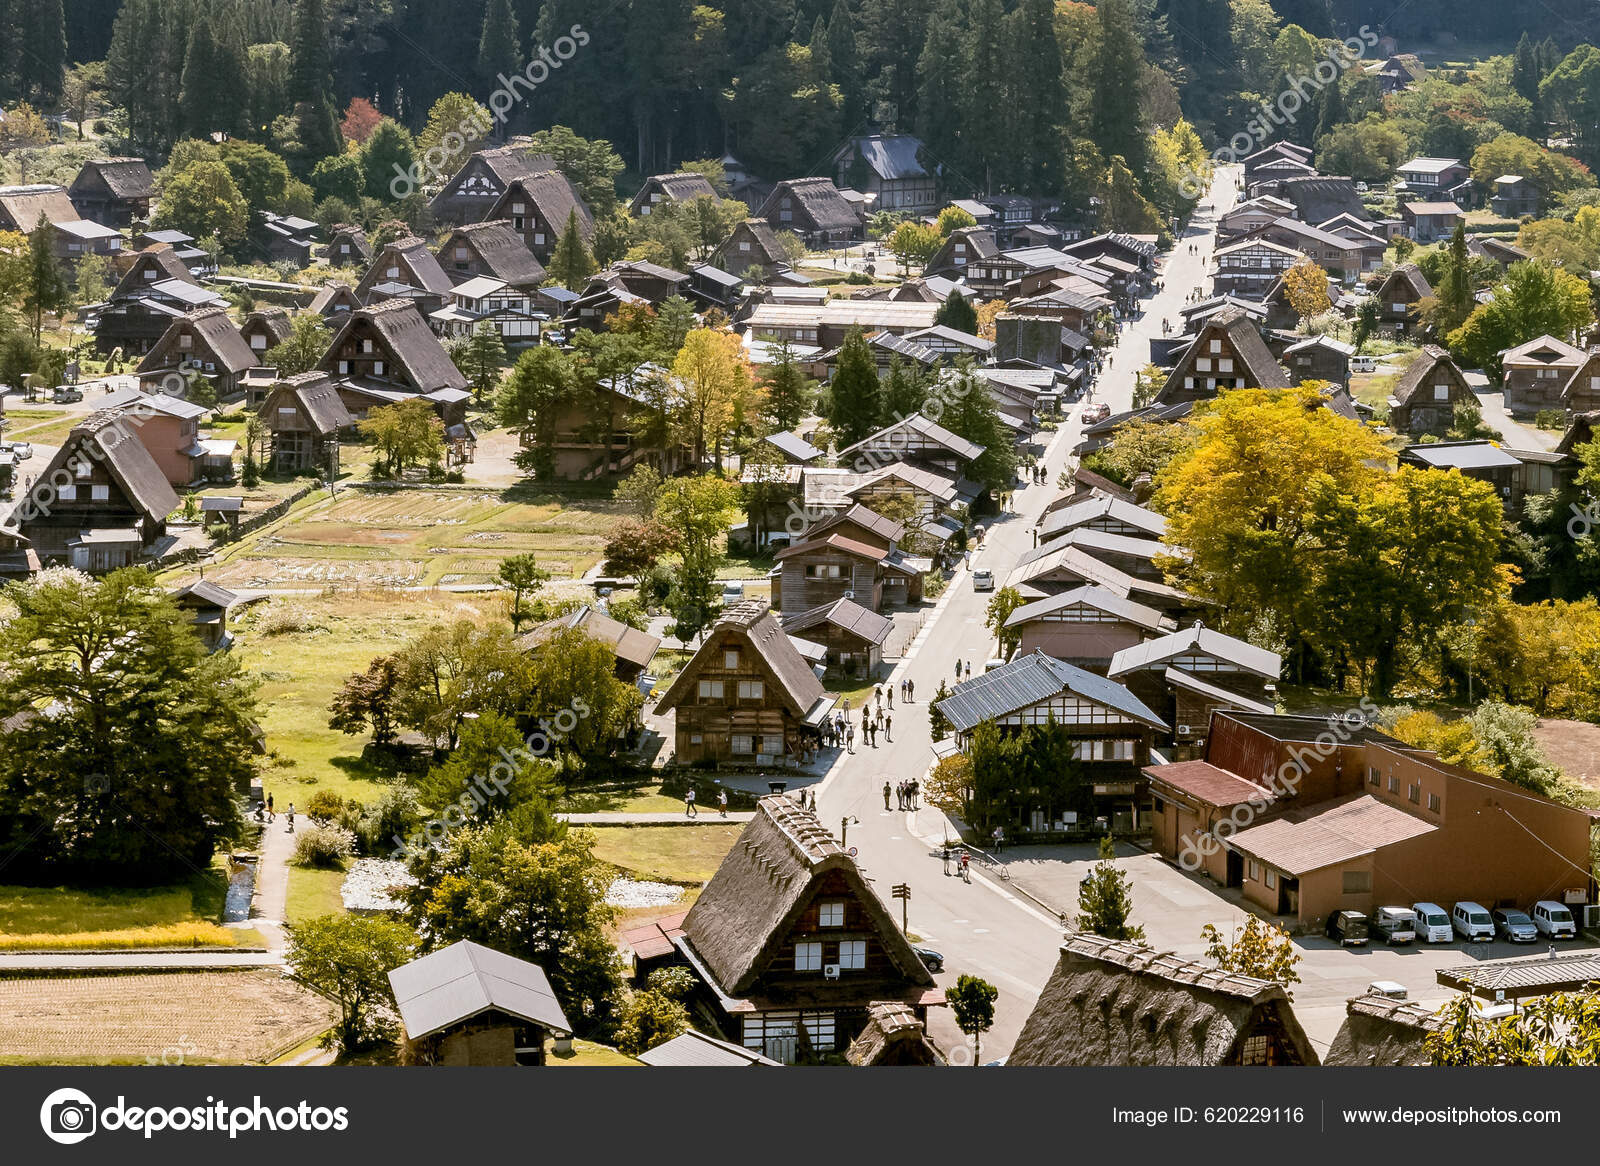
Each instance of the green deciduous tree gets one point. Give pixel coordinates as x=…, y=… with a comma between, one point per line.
x=531, y=401
x=348, y=958
x=524, y=576
x=1533, y=300
x=1260, y=949
x=971, y=1001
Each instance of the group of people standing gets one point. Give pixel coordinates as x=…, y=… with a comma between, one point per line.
x=907, y=793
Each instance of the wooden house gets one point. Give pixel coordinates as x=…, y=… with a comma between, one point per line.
x=793, y=944
x=1399, y=294
x=1227, y=353
x=1272, y=152
x=21, y=207
x=828, y=324
x=156, y=289
x=194, y=257
x=405, y=270
x=711, y=287
x=1399, y=71
x=1432, y=175
x=854, y=554
x=852, y=635
x=1085, y=626
x=1097, y=508
x=287, y=238
x=348, y=247
x=208, y=605
x=628, y=281
x=206, y=341
x=1514, y=473
x=680, y=186
x=471, y=193
x=1426, y=395
x=1428, y=222
x=1316, y=198
x=304, y=416
x=1065, y=564
x=1114, y=1002
x=387, y=353
x=334, y=300
x=1249, y=267
x=1345, y=258
x=632, y=648
x=467, y=1004
x=751, y=251
x=1515, y=196
x=1188, y=674
x=1111, y=731
x=538, y=207
x=1318, y=358
x=814, y=210
x=1535, y=373
x=1500, y=251
x=889, y=168
x=73, y=241
x=916, y=438
x=102, y=502
x=746, y=697
x=491, y=249
x=1581, y=393
x=962, y=247
x=1251, y=215
x=483, y=301
x=113, y=192
x=264, y=329
x=942, y=499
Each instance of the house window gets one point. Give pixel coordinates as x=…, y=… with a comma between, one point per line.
x=1202, y=364
x=1225, y=365
x=1271, y=880
x=853, y=954
x=1398, y=308
x=258, y=342
x=1394, y=784
x=744, y=743
x=538, y=237
x=186, y=342
x=1373, y=778
x=377, y=368
x=772, y=746
x=1433, y=803
x=830, y=914
x=1357, y=882
x=1441, y=392
x=808, y=957
x=751, y=690
x=1255, y=872
x=730, y=658
x=344, y=367
x=100, y=493
x=711, y=690
x=1414, y=793
x=67, y=493
x=518, y=208
x=744, y=245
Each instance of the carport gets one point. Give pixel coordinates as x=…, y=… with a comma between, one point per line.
x=1523, y=979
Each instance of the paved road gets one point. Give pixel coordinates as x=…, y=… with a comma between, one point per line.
x=989, y=927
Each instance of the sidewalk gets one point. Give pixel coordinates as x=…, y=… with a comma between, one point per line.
x=707, y=816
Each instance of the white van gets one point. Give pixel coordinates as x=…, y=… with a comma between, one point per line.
x=1433, y=924
x=1554, y=919
x=1471, y=921
x=1363, y=364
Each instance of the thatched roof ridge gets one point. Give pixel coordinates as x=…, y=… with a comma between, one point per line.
x=893, y=1036
x=1381, y=1031
x=1111, y=1002
x=746, y=911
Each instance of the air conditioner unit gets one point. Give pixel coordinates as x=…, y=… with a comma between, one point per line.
x=850, y=595
x=830, y=971
x=1591, y=917
x=1183, y=730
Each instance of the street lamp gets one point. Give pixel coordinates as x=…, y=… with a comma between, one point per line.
x=845, y=823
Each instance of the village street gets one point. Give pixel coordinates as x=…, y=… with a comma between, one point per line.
x=987, y=928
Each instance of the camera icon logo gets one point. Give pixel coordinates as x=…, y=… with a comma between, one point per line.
x=68, y=1116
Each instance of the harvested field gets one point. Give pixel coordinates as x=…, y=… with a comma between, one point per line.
x=195, y=1018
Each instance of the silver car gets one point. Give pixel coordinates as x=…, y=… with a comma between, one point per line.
x=1514, y=925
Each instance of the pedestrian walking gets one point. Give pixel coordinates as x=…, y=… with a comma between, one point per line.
x=688, y=804
x=291, y=817
x=891, y=696
x=888, y=727
x=850, y=738
x=911, y=690
x=722, y=802
x=999, y=839
x=886, y=795
x=916, y=794
x=271, y=817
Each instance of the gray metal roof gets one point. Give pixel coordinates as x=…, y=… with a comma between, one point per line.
x=1197, y=638
x=792, y=445
x=696, y=1050
x=1539, y=975
x=1030, y=680
x=465, y=979
x=1466, y=455
x=1099, y=598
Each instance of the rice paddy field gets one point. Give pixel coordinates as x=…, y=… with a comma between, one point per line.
x=416, y=537
x=172, y=1018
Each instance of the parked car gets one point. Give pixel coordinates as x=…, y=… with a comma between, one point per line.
x=66, y=395
x=1514, y=925
x=23, y=450
x=931, y=958
x=1471, y=921
x=732, y=593
x=1553, y=919
x=1433, y=923
x=1348, y=927
x=1389, y=989
x=1395, y=925
x=983, y=580
x=1363, y=364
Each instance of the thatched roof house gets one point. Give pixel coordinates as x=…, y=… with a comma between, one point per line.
x=1116, y=1003
x=1380, y=1031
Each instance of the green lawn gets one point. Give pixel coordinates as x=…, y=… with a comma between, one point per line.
x=313, y=892
x=630, y=795
x=672, y=854
x=588, y=1055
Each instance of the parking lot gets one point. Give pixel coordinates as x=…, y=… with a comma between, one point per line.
x=1173, y=906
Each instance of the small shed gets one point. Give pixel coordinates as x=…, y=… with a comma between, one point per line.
x=223, y=511
x=471, y=1005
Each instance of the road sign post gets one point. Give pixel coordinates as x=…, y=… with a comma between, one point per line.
x=902, y=891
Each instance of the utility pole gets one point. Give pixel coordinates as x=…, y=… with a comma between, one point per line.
x=902, y=891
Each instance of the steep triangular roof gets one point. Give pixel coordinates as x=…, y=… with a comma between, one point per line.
x=753, y=623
